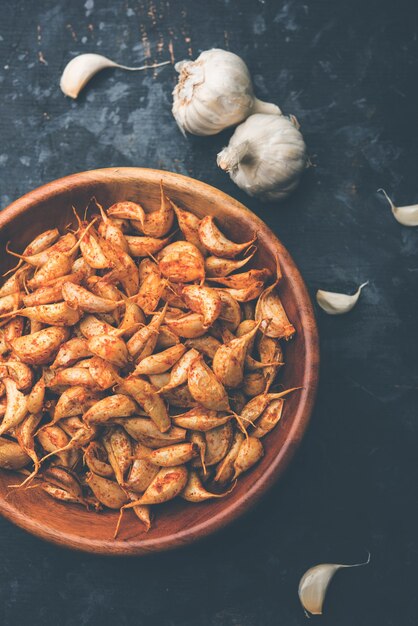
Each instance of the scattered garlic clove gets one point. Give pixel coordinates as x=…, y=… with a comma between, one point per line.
x=337, y=303
x=405, y=215
x=83, y=67
x=314, y=584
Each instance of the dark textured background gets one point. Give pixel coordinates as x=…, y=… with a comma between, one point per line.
x=348, y=71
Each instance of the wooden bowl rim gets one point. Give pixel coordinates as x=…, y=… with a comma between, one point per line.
x=236, y=508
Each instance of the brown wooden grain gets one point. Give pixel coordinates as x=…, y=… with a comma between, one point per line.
x=177, y=523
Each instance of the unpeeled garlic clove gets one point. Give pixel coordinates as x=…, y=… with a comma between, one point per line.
x=314, y=584
x=405, y=215
x=83, y=67
x=337, y=303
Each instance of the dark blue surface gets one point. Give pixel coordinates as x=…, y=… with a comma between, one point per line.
x=349, y=72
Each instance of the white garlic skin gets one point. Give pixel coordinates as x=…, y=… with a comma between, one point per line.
x=213, y=92
x=265, y=156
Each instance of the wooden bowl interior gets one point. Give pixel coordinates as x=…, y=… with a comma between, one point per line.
x=177, y=522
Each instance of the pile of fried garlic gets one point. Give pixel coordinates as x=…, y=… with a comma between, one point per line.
x=138, y=359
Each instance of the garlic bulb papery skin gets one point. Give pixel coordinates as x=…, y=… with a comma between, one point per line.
x=213, y=92
x=265, y=156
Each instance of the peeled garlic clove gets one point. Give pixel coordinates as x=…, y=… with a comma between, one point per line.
x=314, y=584
x=214, y=92
x=405, y=215
x=337, y=303
x=83, y=67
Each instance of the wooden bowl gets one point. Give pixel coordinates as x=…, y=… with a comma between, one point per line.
x=176, y=523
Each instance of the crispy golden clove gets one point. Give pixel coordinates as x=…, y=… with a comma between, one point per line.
x=216, y=242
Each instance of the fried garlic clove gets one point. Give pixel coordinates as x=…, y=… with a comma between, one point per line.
x=110, y=408
x=78, y=376
x=189, y=225
x=160, y=362
x=203, y=300
x=201, y=419
x=109, y=348
x=144, y=393
x=205, y=387
x=35, y=398
x=106, y=491
x=228, y=362
x=194, y=491
x=167, y=485
x=269, y=419
x=145, y=246
x=180, y=370
x=143, y=342
x=119, y=451
x=78, y=297
x=74, y=401
x=188, y=326
x=16, y=408
x=70, y=352
x=218, y=442
x=231, y=313
x=217, y=267
x=181, y=262
x=170, y=456
x=140, y=428
x=12, y=457
x=216, y=242
x=225, y=469
x=249, y=453
x=142, y=471
x=95, y=457
x=21, y=374
x=270, y=310
x=158, y=223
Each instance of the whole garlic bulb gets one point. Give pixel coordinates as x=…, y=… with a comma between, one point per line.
x=266, y=156
x=215, y=92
